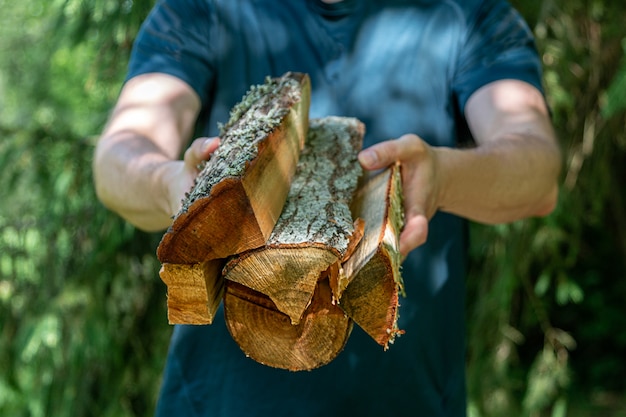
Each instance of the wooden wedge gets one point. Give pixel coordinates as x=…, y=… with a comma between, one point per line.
x=371, y=276
x=194, y=292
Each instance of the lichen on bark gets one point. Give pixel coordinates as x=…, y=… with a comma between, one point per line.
x=260, y=111
x=317, y=208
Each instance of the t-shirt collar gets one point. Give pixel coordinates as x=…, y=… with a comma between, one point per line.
x=334, y=10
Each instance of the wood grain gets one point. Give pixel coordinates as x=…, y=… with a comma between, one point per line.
x=372, y=278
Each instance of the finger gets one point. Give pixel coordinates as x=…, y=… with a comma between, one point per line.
x=200, y=150
x=388, y=152
x=414, y=234
x=209, y=145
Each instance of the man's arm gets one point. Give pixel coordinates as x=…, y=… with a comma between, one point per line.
x=511, y=174
x=517, y=159
x=137, y=171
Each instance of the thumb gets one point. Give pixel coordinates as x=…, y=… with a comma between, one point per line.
x=383, y=154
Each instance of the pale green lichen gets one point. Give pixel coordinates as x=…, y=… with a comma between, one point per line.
x=272, y=88
x=260, y=111
x=317, y=208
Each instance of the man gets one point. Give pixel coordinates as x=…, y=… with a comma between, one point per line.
x=425, y=76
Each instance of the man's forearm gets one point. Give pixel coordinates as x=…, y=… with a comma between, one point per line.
x=137, y=169
x=501, y=181
x=129, y=173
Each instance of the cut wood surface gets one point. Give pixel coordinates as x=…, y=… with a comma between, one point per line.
x=194, y=292
x=288, y=276
x=315, y=228
x=240, y=192
x=371, y=276
x=268, y=336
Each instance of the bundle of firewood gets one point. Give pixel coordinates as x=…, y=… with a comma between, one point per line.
x=283, y=226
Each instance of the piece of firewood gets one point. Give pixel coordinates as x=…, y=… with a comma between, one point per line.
x=266, y=335
x=371, y=276
x=315, y=228
x=240, y=192
x=194, y=292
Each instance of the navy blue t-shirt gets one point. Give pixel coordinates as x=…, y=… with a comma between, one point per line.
x=398, y=66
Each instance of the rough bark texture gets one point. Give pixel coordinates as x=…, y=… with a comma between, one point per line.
x=241, y=190
x=315, y=229
x=371, y=276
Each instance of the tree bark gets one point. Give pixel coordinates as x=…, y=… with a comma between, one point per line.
x=371, y=280
x=240, y=192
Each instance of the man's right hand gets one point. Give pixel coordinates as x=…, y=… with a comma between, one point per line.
x=182, y=174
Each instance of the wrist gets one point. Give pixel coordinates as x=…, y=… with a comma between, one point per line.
x=445, y=163
x=168, y=192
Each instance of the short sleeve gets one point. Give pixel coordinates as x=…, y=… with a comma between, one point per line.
x=175, y=39
x=499, y=45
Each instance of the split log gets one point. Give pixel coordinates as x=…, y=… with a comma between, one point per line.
x=371, y=279
x=315, y=228
x=240, y=192
x=268, y=336
x=194, y=292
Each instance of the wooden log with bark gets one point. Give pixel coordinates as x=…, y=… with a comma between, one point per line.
x=310, y=240
x=240, y=192
x=370, y=282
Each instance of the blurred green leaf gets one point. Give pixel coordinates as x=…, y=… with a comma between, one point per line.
x=615, y=100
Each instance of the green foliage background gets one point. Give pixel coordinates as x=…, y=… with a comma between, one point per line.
x=83, y=327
